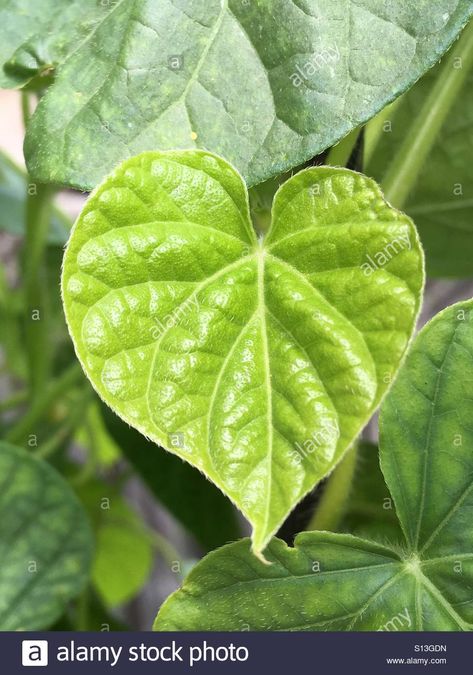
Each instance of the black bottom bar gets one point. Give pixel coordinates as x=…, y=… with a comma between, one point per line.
x=334, y=653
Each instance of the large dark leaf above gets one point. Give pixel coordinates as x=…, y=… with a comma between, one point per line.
x=267, y=84
x=340, y=582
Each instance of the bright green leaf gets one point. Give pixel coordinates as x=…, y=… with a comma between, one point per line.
x=184, y=491
x=267, y=84
x=442, y=201
x=45, y=542
x=256, y=360
x=339, y=582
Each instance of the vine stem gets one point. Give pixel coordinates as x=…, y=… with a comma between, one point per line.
x=39, y=205
x=70, y=424
x=25, y=108
x=166, y=550
x=38, y=217
x=13, y=401
x=333, y=502
x=413, y=152
x=340, y=154
x=42, y=404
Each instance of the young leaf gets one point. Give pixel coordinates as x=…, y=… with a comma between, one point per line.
x=123, y=554
x=256, y=360
x=339, y=582
x=124, y=558
x=442, y=200
x=45, y=542
x=266, y=84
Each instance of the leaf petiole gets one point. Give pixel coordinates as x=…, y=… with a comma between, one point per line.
x=333, y=503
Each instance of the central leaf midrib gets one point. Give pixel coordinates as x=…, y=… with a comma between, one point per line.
x=260, y=256
x=296, y=578
x=205, y=52
x=182, y=98
x=266, y=358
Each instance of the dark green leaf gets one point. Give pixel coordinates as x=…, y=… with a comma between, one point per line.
x=267, y=84
x=45, y=542
x=40, y=34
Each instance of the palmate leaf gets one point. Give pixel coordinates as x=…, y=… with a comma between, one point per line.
x=257, y=360
x=340, y=582
x=267, y=84
x=45, y=542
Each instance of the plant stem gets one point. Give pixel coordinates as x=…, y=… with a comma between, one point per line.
x=25, y=108
x=72, y=421
x=166, y=550
x=38, y=218
x=90, y=465
x=82, y=610
x=340, y=154
x=413, y=152
x=14, y=400
x=41, y=405
x=375, y=128
x=332, y=505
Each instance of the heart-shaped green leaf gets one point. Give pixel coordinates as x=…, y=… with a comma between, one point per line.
x=257, y=360
x=339, y=582
x=45, y=542
x=267, y=83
